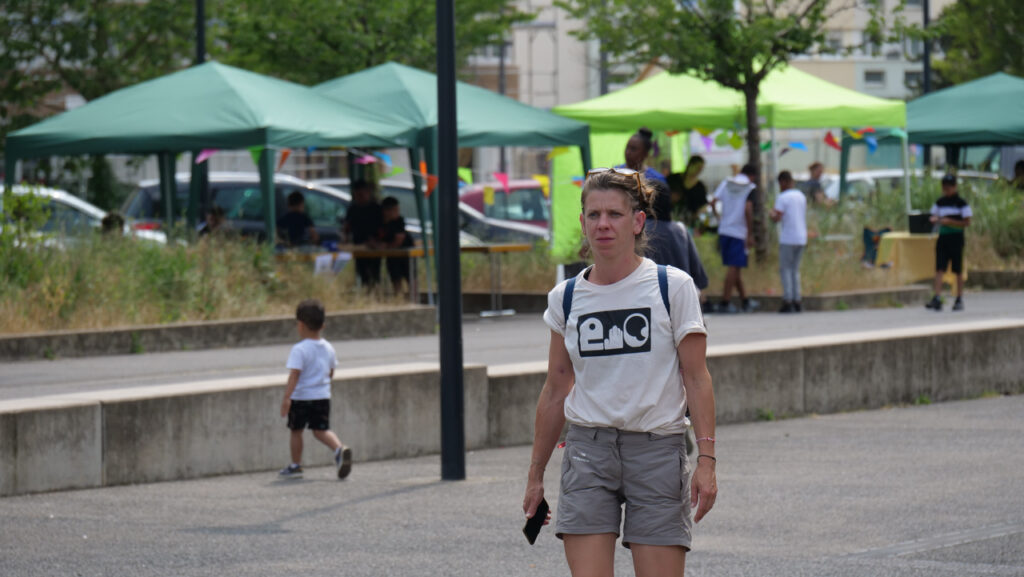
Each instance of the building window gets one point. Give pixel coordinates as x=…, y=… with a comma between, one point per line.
x=914, y=2
x=913, y=79
x=874, y=78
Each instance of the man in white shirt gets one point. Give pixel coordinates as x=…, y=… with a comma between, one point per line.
x=791, y=213
x=735, y=233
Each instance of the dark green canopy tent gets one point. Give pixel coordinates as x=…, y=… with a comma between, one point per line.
x=207, y=106
x=485, y=118
x=986, y=111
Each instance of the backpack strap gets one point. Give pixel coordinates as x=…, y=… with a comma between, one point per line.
x=663, y=285
x=570, y=286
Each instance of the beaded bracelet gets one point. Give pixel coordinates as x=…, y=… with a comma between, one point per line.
x=712, y=439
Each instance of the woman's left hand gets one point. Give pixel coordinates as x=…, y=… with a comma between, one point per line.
x=703, y=488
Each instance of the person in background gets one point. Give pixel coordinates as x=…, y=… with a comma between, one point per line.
x=953, y=215
x=112, y=224
x=813, y=188
x=637, y=150
x=362, y=224
x=295, y=228
x=215, y=223
x=394, y=235
x=735, y=234
x=791, y=213
x=669, y=242
x=694, y=193
x=1018, y=175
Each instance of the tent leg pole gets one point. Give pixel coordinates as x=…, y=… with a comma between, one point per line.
x=417, y=186
x=906, y=171
x=267, y=194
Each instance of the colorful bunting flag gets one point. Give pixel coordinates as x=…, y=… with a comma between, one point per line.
x=578, y=181
x=866, y=129
x=898, y=132
x=671, y=133
x=736, y=141
x=722, y=139
x=366, y=159
x=395, y=170
x=853, y=135
x=431, y=184
x=557, y=151
x=310, y=149
x=423, y=168
x=385, y=157
x=254, y=152
x=205, y=154
x=831, y=141
x=797, y=145
x=466, y=174
x=705, y=131
x=284, y=156
x=708, y=142
x=872, y=144
x=545, y=184
x=766, y=146
x=502, y=177
x=489, y=195
x=783, y=152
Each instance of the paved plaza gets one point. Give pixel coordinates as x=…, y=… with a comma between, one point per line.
x=488, y=342
x=913, y=491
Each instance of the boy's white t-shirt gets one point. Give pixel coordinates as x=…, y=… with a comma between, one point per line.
x=315, y=359
x=733, y=193
x=792, y=204
x=623, y=349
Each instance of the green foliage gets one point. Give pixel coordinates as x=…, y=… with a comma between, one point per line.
x=318, y=40
x=922, y=399
x=981, y=37
x=22, y=216
x=765, y=414
x=136, y=346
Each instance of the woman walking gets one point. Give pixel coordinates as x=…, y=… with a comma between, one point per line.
x=622, y=333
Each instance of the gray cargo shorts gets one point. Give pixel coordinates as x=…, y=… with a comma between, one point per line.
x=603, y=468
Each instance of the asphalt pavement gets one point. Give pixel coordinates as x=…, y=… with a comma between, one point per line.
x=491, y=342
x=903, y=492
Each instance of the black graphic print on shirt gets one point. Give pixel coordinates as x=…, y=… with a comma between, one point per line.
x=619, y=332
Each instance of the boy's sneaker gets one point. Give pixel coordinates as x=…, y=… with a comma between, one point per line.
x=797, y=308
x=727, y=308
x=935, y=304
x=958, y=305
x=707, y=307
x=787, y=307
x=751, y=305
x=343, y=460
x=291, y=472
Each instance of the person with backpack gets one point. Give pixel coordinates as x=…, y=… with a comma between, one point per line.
x=626, y=359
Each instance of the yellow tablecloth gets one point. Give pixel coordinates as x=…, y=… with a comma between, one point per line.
x=912, y=255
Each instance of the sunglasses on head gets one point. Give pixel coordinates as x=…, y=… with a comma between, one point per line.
x=623, y=171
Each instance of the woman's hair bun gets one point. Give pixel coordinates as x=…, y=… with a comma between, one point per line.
x=645, y=133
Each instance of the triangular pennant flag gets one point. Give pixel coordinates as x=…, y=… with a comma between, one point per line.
x=831, y=141
x=866, y=129
x=423, y=168
x=310, y=149
x=783, y=152
x=385, y=157
x=545, y=184
x=872, y=144
x=708, y=142
x=254, y=152
x=766, y=146
x=852, y=134
x=578, y=181
x=557, y=151
x=366, y=159
x=897, y=132
x=489, y=195
x=284, y=156
x=797, y=145
x=671, y=133
x=431, y=184
x=205, y=154
x=396, y=170
x=502, y=177
x=705, y=131
x=466, y=174
x=722, y=139
x=736, y=141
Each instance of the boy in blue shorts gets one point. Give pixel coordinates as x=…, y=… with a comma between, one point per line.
x=307, y=399
x=735, y=234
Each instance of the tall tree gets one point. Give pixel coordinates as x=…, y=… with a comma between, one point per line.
x=317, y=40
x=89, y=47
x=734, y=43
x=981, y=37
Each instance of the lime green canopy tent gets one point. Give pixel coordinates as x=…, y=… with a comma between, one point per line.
x=789, y=98
x=986, y=111
x=210, y=106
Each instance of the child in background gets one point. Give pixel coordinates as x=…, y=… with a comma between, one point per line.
x=307, y=398
x=393, y=235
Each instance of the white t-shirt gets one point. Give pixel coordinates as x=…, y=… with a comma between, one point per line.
x=733, y=194
x=623, y=349
x=315, y=359
x=793, y=227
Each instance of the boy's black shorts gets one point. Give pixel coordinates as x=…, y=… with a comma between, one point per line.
x=949, y=249
x=313, y=414
x=398, y=268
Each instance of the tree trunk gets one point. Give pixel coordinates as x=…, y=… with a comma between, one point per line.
x=754, y=157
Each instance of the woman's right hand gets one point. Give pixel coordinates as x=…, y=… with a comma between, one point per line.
x=534, y=495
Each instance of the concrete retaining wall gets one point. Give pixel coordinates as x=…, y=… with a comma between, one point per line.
x=997, y=279
x=373, y=324
x=233, y=426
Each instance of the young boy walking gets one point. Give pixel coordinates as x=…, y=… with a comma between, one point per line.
x=735, y=234
x=307, y=399
x=791, y=213
x=953, y=215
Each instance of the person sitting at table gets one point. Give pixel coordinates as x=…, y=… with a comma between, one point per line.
x=295, y=228
x=394, y=235
x=362, y=224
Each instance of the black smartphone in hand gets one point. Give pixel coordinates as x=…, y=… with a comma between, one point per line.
x=533, y=524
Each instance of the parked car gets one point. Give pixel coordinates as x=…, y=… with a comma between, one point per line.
x=70, y=217
x=524, y=202
x=471, y=221
x=238, y=193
